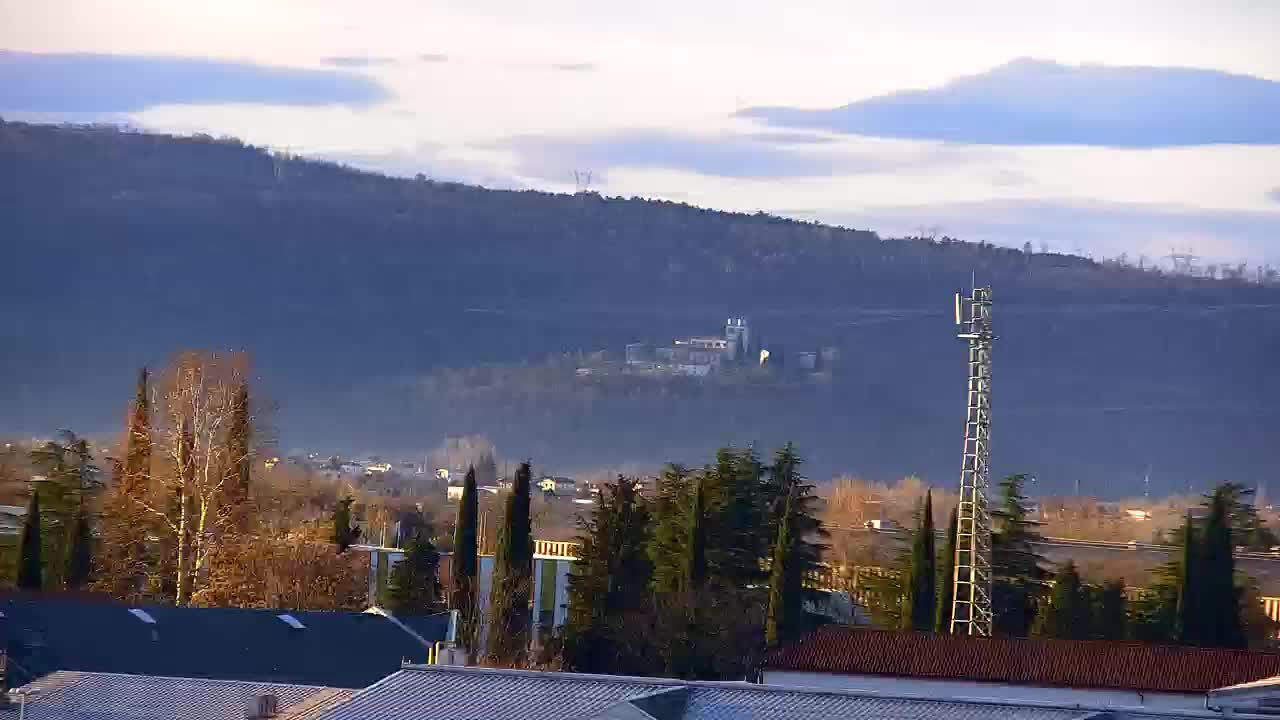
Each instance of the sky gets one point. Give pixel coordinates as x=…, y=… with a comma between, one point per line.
x=1094, y=127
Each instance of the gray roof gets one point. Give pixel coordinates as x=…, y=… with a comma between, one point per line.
x=108, y=696
x=42, y=634
x=447, y=693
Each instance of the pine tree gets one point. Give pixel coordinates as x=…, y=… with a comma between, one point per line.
x=1017, y=573
x=122, y=562
x=736, y=509
x=508, y=634
x=923, y=574
x=1112, y=617
x=1219, y=599
x=80, y=557
x=1190, y=617
x=608, y=583
x=1066, y=615
x=466, y=564
x=947, y=576
x=30, y=569
x=413, y=587
x=671, y=510
x=344, y=533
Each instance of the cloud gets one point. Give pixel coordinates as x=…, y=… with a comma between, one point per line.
x=92, y=83
x=433, y=57
x=1274, y=195
x=725, y=154
x=1036, y=102
x=356, y=61
x=1102, y=229
x=574, y=67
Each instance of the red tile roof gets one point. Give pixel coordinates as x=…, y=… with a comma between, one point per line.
x=1022, y=661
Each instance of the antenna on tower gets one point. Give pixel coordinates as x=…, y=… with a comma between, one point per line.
x=971, y=612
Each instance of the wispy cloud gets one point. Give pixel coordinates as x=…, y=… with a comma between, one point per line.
x=725, y=154
x=433, y=57
x=92, y=83
x=574, y=67
x=357, y=61
x=1036, y=102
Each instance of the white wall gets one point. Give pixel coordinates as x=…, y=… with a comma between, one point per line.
x=952, y=689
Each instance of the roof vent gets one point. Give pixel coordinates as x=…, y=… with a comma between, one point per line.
x=142, y=615
x=292, y=621
x=262, y=705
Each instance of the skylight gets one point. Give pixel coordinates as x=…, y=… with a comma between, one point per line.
x=142, y=615
x=292, y=621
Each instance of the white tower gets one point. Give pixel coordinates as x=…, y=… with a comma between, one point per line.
x=971, y=606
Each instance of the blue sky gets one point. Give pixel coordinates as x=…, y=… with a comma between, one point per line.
x=1097, y=127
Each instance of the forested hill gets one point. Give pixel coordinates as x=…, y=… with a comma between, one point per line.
x=348, y=287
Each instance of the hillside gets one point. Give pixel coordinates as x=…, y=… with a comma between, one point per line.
x=354, y=291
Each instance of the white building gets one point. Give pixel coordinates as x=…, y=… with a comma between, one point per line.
x=557, y=485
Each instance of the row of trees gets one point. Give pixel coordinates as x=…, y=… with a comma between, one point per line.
x=1196, y=601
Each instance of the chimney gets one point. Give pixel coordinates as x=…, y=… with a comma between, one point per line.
x=262, y=706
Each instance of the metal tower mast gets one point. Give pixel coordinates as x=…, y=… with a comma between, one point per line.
x=971, y=605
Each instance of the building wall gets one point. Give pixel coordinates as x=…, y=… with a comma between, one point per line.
x=997, y=691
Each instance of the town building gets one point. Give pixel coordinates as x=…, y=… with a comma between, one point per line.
x=558, y=485
x=1066, y=672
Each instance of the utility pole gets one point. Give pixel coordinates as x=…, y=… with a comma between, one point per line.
x=971, y=598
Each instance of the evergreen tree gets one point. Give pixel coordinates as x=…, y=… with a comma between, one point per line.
x=671, y=510
x=69, y=478
x=785, y=585
x=122, y=562
x=797, y=551
x=1219, y=599
x=1066, y=615
x=695, y=555
x=30, y=568
x=1111, y=619
x=413, y=587
x=1190, y=618
x=237, y=482
x=1017, y=574
x=508, y=634
x=736, y=510
x=466, y=565
x=947, y=576
x=344, y=533
x=609, y=583
x=923, y=573
x=80, y=557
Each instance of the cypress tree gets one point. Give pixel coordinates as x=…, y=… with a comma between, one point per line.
x=1112, y=617
x=122, y=561
x=235, y=494
x=947, y=576
x=784, y=597
x=695, y=556
x=736, y=510
x=608, y=582
x=922, y=583
x=29, y=565
x=1220, y=601
x=80, y=557
x=1189, y=613
x=508, y=636
x=413, y=587
x=344, y=533
x=466, y=563
x=797, y=551
x=1066, y=615
x=671, y=510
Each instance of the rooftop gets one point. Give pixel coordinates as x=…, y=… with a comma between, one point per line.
x=451, y=693
x=1023, y=661
x=108, y=696
x=42, y=635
